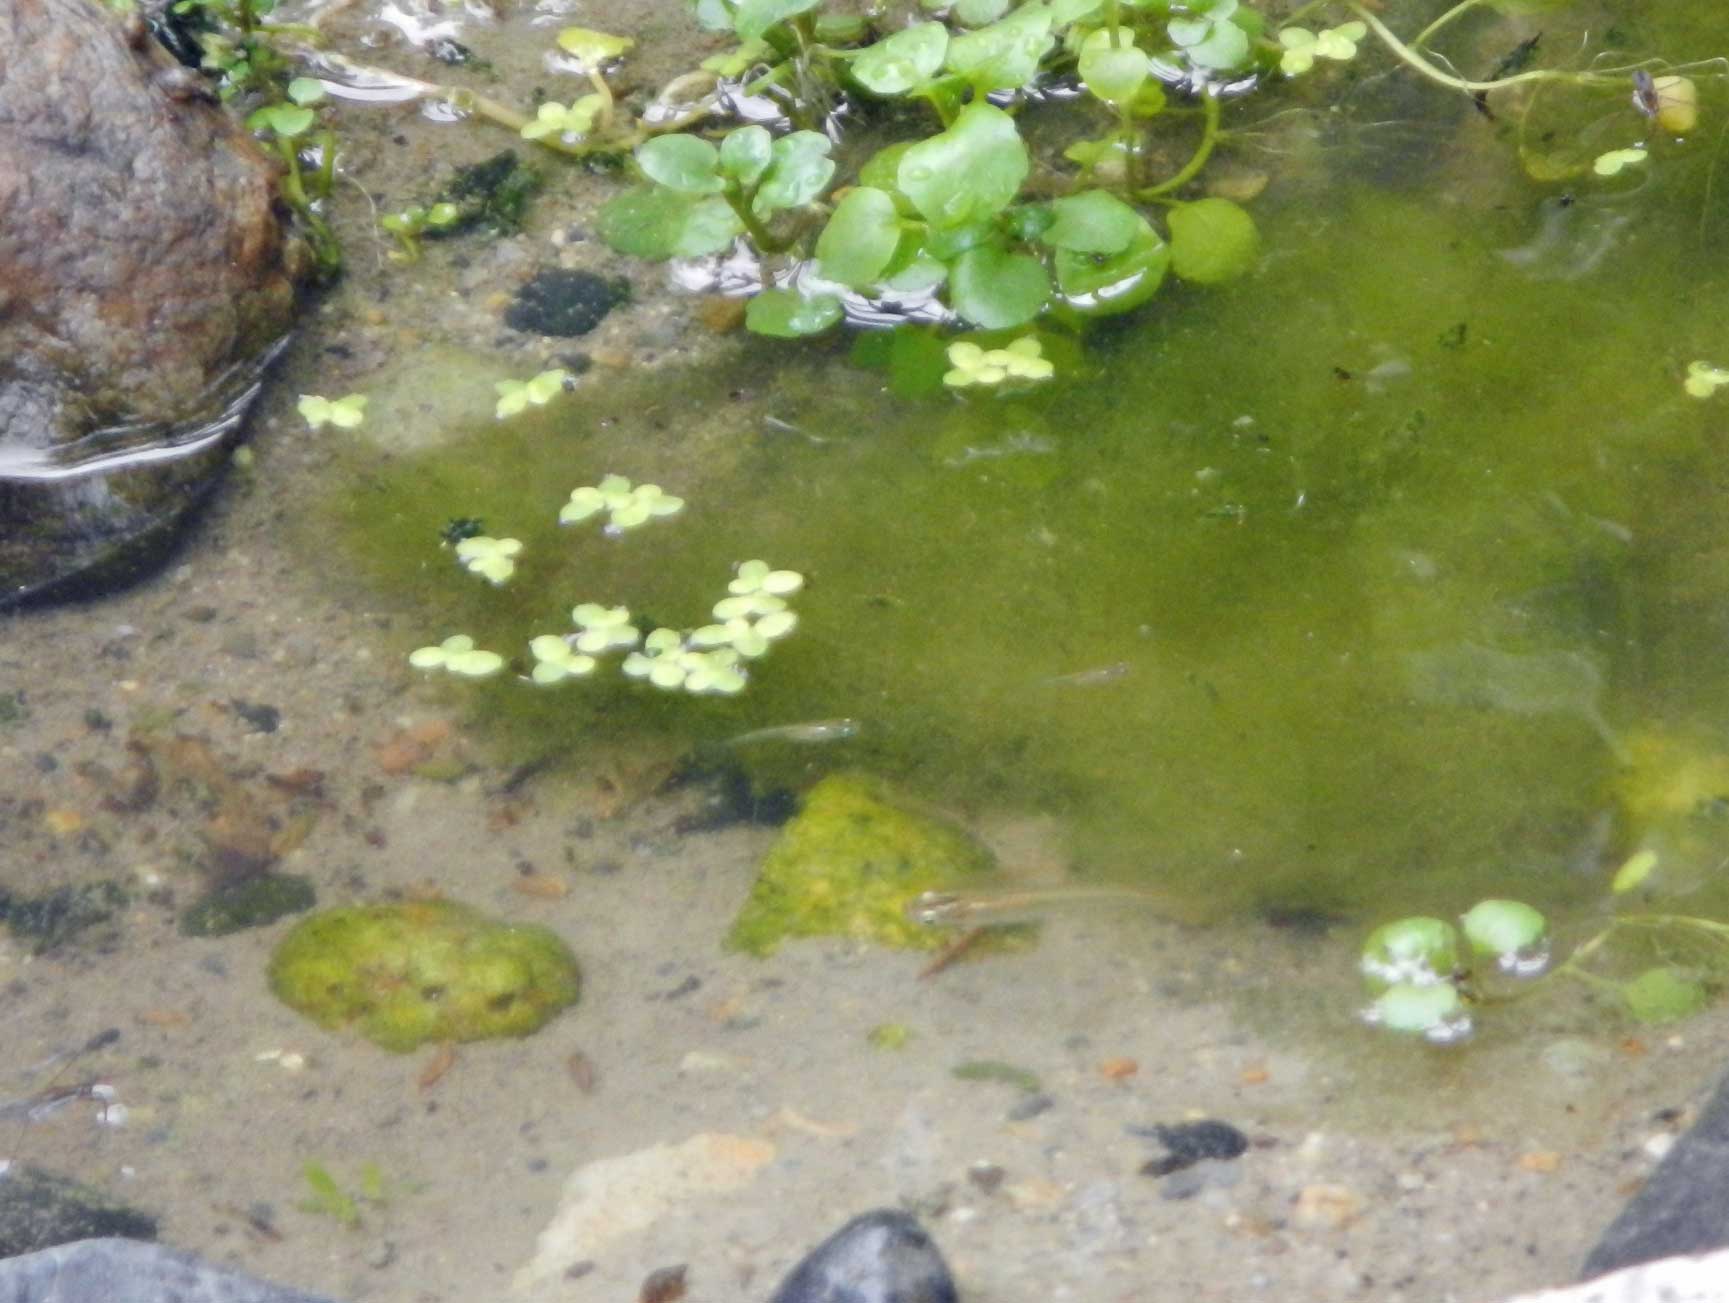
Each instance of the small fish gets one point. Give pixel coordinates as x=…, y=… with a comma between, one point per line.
x=817, y=730
x=1091, y=678
x=1007, y=906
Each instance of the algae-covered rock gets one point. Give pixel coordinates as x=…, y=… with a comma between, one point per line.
x=420, y=971
x=848, y=865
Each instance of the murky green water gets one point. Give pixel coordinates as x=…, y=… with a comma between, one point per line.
x=1398, y=553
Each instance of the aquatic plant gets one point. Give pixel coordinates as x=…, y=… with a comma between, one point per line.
x=344, y=413
x=413, y=222
x=517, y=396
x=705, y=660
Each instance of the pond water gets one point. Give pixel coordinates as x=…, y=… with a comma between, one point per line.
x=1384, y=578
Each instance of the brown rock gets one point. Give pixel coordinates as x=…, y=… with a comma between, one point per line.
x=145, y=279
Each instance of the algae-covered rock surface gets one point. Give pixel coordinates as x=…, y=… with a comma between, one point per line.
x=847, y=866
x=417, y=971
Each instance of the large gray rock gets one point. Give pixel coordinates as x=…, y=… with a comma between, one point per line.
x=129, y=1271
x=878, y=1257
x=1684, y=1207
x=145, y=279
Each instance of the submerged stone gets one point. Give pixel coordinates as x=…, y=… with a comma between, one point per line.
x=145, y=280
x=433, y=970
x=39, y=1209
x=565, y=303
x=848, y=866
x=126, y=1271
x=878, y=1257
x=251, y=902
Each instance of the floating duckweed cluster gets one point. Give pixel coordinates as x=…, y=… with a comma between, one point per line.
x=344, y=413
x=1704, y=379
x=516, y=396
x=706, y=660
x=491, y=558
x=626, y=505
x=971, y=364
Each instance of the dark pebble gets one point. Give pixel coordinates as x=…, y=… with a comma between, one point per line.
x=564, y=303
x=1187, y=1143
x=1031, y=1107
x=878, y=1257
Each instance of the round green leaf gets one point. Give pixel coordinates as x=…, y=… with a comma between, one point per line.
x=1663, y=995
x=306, y=90
x=1093, y=221
x=754, y=17
x=1005, y=55
x=1435, y=1011
x=593, y=48
x=907, y=59
x=1212, y=240
x=860, y=240
x=681, y=162
x=968, y=173
x=995, y=289
x=977, y=13
x=745, y=153
x=787, y=314
x=1102, y=285
x=656, y=223
x=1113, y=74
x=882, y=169
x=1501, y=928
x=799, y=167
x=1416, y=951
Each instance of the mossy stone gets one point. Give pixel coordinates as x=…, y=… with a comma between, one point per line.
x=405, y=974
x=251, y=902
x=849, y=864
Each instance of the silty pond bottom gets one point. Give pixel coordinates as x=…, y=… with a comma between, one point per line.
x=1384, y=579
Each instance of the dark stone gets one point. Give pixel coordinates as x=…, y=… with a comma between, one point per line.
x=39, y=1210
x=490, y=196
x=564, y=303
x=125, y=1271
x=250, y=902
x=145, y=280
x=259, y=718
x=51, y=919
x=877, y=1257
x=1684, y=1207
x=1187, y=1143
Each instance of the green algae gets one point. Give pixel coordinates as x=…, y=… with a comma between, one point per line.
x=405, y=974
x=848, y=865
x=1314, y=515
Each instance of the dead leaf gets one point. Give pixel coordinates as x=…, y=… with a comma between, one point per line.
x=542, y=886
x=442, y=1061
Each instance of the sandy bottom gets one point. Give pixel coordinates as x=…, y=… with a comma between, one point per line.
x=1378, y=1169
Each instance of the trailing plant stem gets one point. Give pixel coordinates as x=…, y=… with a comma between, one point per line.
x=1203, y=151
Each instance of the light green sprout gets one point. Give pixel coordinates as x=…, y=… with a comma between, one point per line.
x=1615, y=160
x=515, y=396
x=343, y=413
x=604, y=628
x=556, y=660
x=490, y=558
x=1303, y=47
x=626, y=506
x=972, y=365
x=1703, y=379
x=569, y=122
x=593, y=48
x=459, y=655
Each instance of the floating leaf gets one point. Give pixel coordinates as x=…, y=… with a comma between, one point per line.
x=754, y=17
x=799, y=167
x=907, y=59
x=1005, y=55
x=787, y=314
x=1093, y=221
x=995, y=289
x=968, y=173
x=745, y=154
x=1212, y=240
x=657, y=223
x=1113, y=73
x=682, y=162
x=860, y=240
x=1663, y=995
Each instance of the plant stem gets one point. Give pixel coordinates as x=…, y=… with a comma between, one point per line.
x=1406, y=55
x=1203, y=151
x=759, y=234
x=1457, y=11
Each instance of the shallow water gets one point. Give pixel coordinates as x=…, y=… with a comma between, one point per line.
x=1385, y=578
